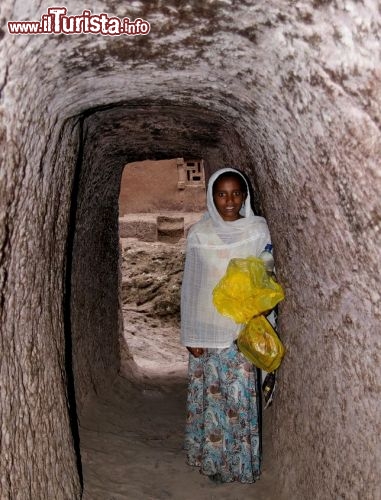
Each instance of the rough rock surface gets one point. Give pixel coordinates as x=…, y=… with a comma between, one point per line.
x=151, y=280
x=291, y=92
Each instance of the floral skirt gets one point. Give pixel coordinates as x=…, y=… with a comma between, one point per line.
x=222, y=434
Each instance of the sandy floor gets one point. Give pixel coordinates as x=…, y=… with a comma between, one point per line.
x=131, y=442
x=132, y=433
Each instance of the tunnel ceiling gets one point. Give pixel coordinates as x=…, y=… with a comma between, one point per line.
x=147, y=130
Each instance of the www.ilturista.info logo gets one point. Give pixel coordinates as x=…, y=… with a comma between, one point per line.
x=56, y=21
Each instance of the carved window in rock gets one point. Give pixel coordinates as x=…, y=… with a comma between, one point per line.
x=190, y=173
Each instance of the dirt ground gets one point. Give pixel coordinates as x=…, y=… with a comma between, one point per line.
x=132, y=433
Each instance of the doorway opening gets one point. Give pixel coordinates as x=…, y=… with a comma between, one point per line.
x=159, y=201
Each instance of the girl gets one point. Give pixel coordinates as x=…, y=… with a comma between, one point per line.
x=223, y=419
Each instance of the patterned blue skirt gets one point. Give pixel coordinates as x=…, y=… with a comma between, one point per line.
x=222, y=434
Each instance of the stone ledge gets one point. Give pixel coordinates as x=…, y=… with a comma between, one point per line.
x=168, y=227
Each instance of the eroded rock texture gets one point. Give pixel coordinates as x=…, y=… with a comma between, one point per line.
x=289, y=91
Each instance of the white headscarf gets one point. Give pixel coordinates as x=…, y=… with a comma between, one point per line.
x=211, y=243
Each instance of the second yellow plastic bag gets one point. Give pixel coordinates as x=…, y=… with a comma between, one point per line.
x=246, y=290
x=260, y=344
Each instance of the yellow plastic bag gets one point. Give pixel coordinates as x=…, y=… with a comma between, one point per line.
x=260, y=344
x=246, y=290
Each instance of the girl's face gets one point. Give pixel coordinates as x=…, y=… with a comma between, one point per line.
x=228, y=198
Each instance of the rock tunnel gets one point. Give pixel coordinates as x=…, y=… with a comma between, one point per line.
x=288, y=91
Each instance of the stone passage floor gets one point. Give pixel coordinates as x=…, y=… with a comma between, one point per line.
x=131, y=446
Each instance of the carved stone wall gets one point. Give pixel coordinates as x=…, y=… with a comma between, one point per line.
x=290, y=92
x=161, y=186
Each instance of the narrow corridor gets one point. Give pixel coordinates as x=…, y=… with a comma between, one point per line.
x=132, y=433
x=287, y=91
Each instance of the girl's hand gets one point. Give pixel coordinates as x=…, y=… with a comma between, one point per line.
x=196, y=351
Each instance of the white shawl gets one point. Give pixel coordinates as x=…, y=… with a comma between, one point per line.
x=211, y=243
